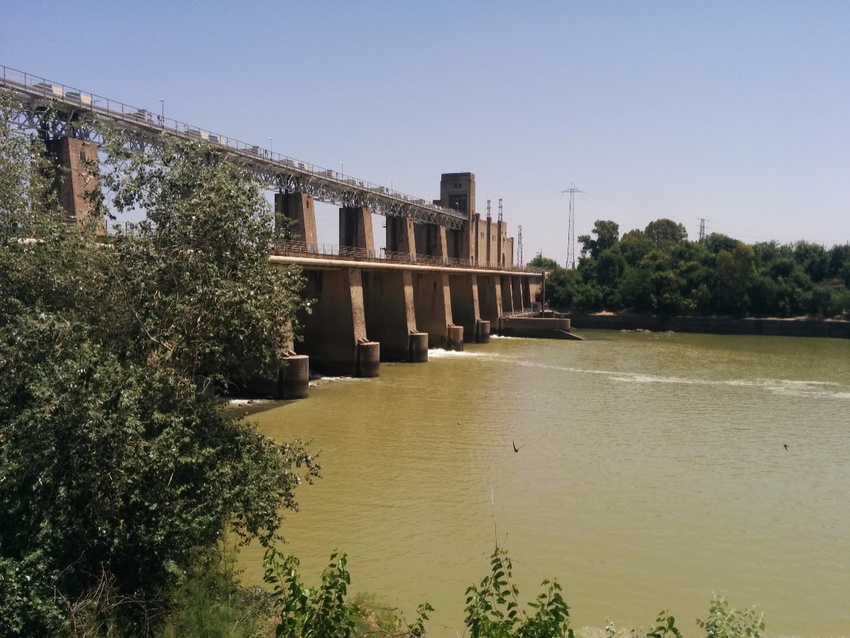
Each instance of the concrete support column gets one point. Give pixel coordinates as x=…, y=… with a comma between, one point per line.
x=465, y=308
x=482, y=331
x=295, y=377
x=418, y=348
x=516, y=286
x=433, y=306
x=300, y=211
x=460, y=245
x=335, y=333
x=507, y=294
x=490, y=298
x=400, y=237
x=355, y=230
x=526, y=292
x=454, y=340
x=431, y=241
x=79, y=175
x=391, y=317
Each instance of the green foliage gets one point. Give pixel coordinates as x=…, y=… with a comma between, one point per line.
x=324, y=612
x=658, y=271
x=665, y=230
x=116, y=473
x=545, y=263
x=607, y=233
x=200, y=295
x=664, y=627
x=723, y=622
x=493, y=611
x=210, y=603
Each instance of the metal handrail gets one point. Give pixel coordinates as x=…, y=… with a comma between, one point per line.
x=332, y=251
x=96, y=104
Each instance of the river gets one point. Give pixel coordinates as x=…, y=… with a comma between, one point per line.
x=652, y=471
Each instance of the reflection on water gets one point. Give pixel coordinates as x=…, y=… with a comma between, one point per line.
x=653, y=473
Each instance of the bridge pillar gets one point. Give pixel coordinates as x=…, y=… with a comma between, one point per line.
x=516, y=286
x=433, y=306
x=459, y=244
x=400, y=237
x=465, y=306
x=355, y=230
x=335, y=333
x=391, y=316
x=78, y=164
x=490, y=298
x=300, y=210
x=431, y=241
x=507, y=294
x=295, y=377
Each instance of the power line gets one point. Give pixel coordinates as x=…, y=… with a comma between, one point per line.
x=571, y=227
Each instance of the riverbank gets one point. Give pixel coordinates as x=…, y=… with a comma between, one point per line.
x=800, y=327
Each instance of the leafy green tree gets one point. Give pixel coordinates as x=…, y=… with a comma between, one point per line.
x=116, y=472
x=607, y=234
x=735, y=273
x=813, y=258
x=634, y=245
x=664, y=230
x=546, y=263
x=716, y=242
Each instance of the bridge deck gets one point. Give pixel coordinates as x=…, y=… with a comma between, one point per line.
x=63, y=110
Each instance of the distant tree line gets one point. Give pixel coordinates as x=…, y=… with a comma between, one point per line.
x=659, y=271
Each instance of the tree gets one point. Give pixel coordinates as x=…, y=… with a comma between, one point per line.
x=607, y=233
x=116, y=472
x=662, y=230
x=735, y=273
x=545, y=263
x=634, y=245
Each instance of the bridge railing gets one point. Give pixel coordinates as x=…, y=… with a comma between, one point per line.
x=330, y=251
x=144, y=119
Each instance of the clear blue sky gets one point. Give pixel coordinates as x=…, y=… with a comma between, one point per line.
x=737, y=112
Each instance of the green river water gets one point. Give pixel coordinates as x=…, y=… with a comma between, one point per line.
x=652, y=473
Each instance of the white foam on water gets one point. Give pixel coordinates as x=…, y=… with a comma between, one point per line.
x=785, y=387
x=439, y=353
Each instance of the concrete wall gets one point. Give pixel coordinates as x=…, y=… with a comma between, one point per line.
x=539, y=327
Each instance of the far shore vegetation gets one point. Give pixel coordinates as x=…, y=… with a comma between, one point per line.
x=124, y=482
x=657, y=270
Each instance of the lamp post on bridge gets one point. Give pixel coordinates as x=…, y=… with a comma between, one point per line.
x=271, y=148
x=162, y=110
x=341, y=169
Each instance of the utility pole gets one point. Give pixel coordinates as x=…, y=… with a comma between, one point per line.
x=571, y=227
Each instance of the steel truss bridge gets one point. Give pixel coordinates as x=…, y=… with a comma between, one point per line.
x=56, y=110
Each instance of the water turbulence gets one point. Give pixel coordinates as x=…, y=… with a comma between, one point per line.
x=652, y=471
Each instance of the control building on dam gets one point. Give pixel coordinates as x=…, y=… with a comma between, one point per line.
x=445, y=276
